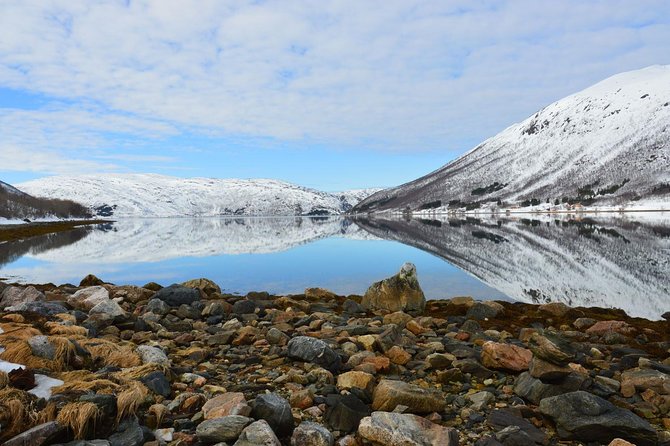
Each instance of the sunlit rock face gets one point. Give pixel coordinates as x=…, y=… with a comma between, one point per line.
x=607, y=262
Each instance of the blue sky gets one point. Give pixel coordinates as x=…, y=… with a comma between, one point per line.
x=329, y=94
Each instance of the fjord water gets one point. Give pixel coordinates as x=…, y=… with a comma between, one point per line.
x=617, y=260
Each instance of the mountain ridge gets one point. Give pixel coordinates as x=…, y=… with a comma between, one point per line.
x=606, y=147
x=153, y=195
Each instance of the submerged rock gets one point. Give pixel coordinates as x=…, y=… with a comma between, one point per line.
x=401, y=292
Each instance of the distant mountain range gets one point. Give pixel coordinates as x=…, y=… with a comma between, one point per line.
x=607, y=147
x=148, y=195
x=18, y=205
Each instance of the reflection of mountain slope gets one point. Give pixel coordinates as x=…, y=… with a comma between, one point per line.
x=11, y=251
x=616, y=263
x=153, y=240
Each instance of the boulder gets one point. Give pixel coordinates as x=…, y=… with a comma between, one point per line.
x=496, y=355
x=345, y=412
x=205, y=285
x=152, y=355
x=398, y=429
x=14, y=295
x=534, y=390
x=356, y=380
x=258, y=433
x=546, y=371
x=157, y=306
x=276, y=411
x=38, y=307
x=311, y=434
x=503, y=418
x=42, y=347
x=391, y=393
x=315, y=351
x=586, y=417
x=485, y=310
x=557, y=309
x=605, y=327
x=176, y=295
x=90, y=280
x=158, y=383
x=643, y=379
x=229, y=403
x=108, y=308
x=88, y=298
x=37, y=436
x=551, y=348
x=129, y=433
x=220, y=429
x=401, y=292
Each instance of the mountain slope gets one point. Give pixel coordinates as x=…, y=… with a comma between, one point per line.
x=607, y=146
x=148, y=195
x=18, y=205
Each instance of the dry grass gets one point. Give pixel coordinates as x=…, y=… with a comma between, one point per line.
x=157, y=412
x=66, y=317
x=17, y=331
x=14, y=317
x=18, y=351
x=16, y=412
x=129, y=400
x=79, y=417
x=111, y=353
x=68, y=330
x=137, y=372
x=49, y=413
x=4, y=380
x=103, y=386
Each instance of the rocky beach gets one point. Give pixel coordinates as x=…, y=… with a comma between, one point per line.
x=103, y=364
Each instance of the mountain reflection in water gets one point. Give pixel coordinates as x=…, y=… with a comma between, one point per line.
x=608, y=261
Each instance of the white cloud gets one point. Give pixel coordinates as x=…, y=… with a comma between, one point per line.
x=394, y=74
x=20, y=159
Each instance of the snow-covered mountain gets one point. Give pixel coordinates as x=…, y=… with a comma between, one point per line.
x=149, y=195
x=15, y=206
x=608, y=262
x=605, y=147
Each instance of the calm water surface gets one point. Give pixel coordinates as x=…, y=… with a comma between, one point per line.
x=606, y=261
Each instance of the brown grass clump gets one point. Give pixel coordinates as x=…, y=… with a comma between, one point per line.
x=17, y=331
x=18, y=351
x=128, y=401
x=104, y=386
x=16, y=412
x=4, y=379
x=132, y=373
x=49, y=413
x=79, y=417
x=111, y=353
x=157, y=413
x=66, y=317
x=68, y=330
x=14, y=317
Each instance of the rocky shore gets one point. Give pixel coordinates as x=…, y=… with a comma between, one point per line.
x=101, y=364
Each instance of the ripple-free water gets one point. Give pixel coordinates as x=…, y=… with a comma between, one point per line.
x=610, y=261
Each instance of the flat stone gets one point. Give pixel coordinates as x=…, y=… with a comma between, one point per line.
x=311, y=434
x=551, y=348
x=37, y=436
x=356, y=380
x=605, y=327
x=219, y=429
x=38, y=307
x=534, y=390
x=502, y=418
x=502, y=356
x=229, y=403
x=546, y=371
x=391, y=393
x=586, y=417
x=396, y=429
x=481, y=400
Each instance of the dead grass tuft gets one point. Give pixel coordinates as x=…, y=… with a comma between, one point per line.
x=17, y=331
x=66, y=317
x=14, y=317
x=104, y=386
x=157, y=412
x=18, y=351
x=49, y=413
x=111, y=353
x=16, y=412
x=132, y=373
x=79, y=417
x=68, y=330
x=129, y=400
x=4, y=379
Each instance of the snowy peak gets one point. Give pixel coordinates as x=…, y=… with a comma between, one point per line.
x=150, y=195
x=606, y=146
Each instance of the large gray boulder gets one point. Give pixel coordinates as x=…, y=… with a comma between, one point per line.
x=226, y=428
x=176, y=295
x=401, y=292
x=311, y=434
x=394, y=429
x=258, y=433
x=586, y=417
x=276, y=411
x=14, y=295
x=316, y=351
x=392, y=393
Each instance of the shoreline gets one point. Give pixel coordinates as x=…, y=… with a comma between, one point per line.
x=16, y=232
x=189, y=364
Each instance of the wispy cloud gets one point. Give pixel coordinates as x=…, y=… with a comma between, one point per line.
x=393, y=75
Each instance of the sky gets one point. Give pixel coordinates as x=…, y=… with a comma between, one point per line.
x=330, y=94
